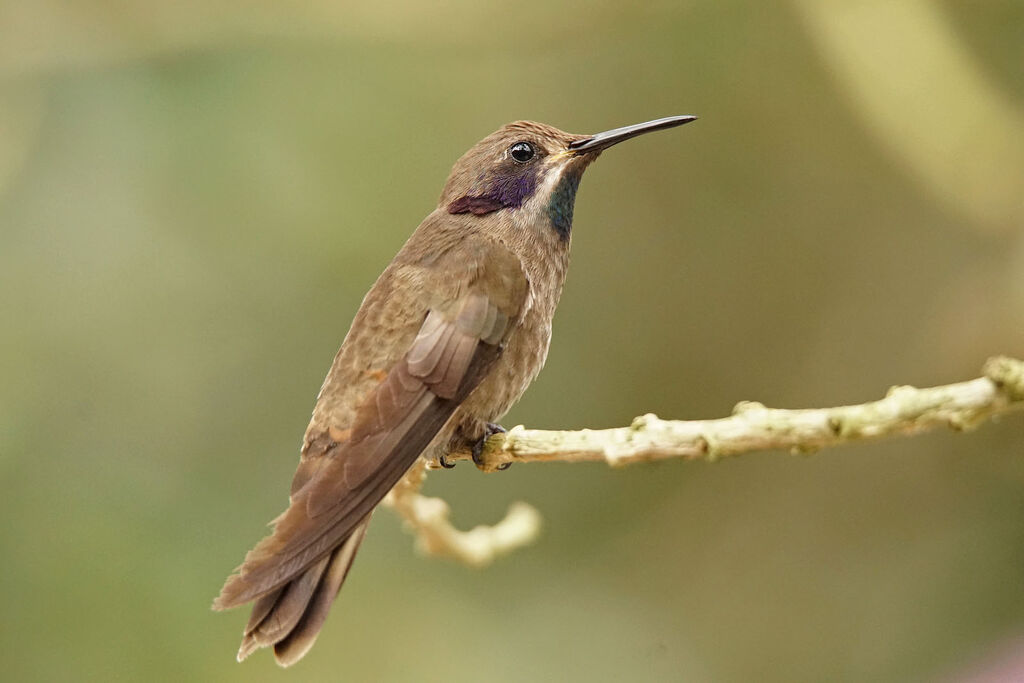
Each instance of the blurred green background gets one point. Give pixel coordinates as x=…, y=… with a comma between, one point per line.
x=195, y=196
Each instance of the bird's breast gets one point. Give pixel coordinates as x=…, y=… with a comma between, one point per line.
x=525, y=350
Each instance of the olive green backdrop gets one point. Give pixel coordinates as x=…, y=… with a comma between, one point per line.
x=195, y=196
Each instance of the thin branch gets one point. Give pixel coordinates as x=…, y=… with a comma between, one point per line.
x=428, y=519
x=752, y=427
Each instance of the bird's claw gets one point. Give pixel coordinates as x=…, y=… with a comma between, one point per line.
x=443, y=462
x=490, y=429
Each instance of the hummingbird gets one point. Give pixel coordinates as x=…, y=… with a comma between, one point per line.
x=446, y=340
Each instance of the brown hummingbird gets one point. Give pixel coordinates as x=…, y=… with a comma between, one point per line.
x=446, y=340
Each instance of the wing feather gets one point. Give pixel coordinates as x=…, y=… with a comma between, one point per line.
x=455, y=346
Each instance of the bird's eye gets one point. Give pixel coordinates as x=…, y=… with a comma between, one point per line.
x=521, y=152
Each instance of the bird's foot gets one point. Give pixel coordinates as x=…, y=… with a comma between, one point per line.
x=490, y=429
x=443, y=462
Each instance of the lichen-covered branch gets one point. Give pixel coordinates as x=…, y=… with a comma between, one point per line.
x=428, y=519
x=752, y=427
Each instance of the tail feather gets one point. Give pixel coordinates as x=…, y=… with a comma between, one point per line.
x=275, y=615
x=297, y=643
x=290, y=617
x=261, y=608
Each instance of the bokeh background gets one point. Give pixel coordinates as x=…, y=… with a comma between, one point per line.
x=194, y=197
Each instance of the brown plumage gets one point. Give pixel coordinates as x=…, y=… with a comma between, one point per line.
x=447, y=339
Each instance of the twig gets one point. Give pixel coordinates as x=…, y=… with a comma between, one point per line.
x=428, y=519
x=752, y=427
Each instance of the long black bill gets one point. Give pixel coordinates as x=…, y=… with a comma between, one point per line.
x=612, y=137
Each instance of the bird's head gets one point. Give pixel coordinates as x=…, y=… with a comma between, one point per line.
x=528, y=166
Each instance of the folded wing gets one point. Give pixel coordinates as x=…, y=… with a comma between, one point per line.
x=457, y=343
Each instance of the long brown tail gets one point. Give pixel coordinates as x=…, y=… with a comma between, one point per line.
x=290, y=617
